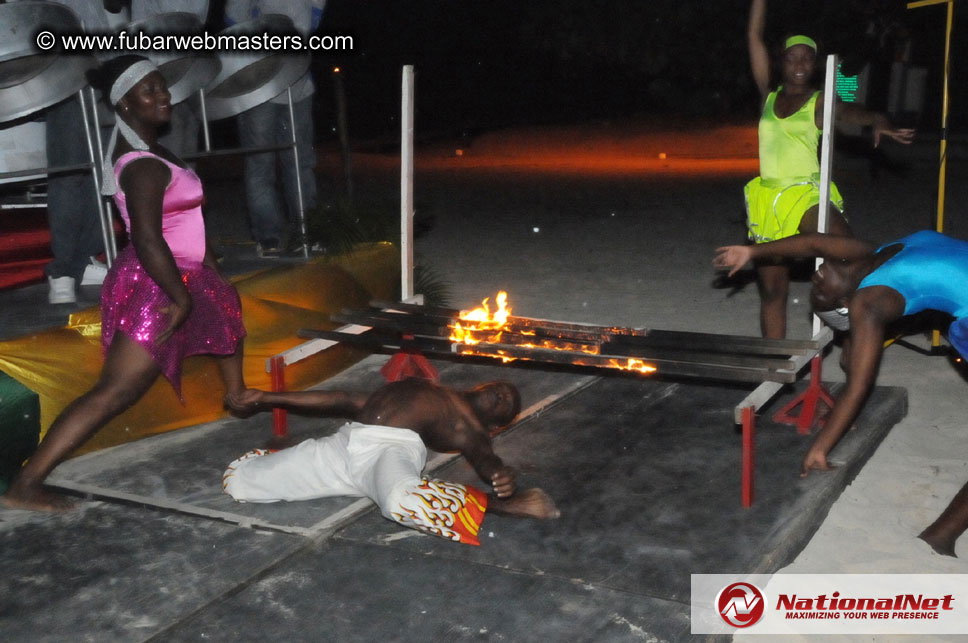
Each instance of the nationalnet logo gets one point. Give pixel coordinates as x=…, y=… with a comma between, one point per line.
x=830, y=603
x=899, y=606
x=740, y=604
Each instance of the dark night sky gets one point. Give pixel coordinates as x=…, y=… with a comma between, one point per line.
x=492, y=63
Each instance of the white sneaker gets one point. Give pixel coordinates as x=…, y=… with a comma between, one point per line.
x=94, y=273
x=61, y=290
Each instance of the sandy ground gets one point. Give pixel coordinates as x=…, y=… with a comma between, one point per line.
x=591, y=225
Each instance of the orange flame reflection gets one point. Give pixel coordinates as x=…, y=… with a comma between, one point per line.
x=632, y=364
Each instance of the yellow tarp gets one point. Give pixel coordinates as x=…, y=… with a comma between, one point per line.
x=62, y=363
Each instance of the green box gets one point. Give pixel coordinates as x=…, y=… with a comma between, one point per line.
x=19, y=427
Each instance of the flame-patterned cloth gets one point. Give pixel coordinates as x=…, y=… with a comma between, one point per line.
x=446, y=509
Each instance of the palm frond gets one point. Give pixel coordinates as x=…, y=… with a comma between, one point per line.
x=429, y=282
x=340, y=226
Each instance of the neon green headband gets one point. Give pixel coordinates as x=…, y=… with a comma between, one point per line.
x=799, y=40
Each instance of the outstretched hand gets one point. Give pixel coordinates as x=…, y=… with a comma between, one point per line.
x=732, y=258
x=504, y=482
x=814, y=459
x=883, y=127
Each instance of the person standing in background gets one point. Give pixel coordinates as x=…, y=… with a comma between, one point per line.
x=274, y=214
x=76, y=236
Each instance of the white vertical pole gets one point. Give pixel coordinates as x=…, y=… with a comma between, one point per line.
x=299, y=190
x=406, y=185
x=108, y=217
x=203, y=112
x=99, y=145
x=826, y=158
x=103, y=215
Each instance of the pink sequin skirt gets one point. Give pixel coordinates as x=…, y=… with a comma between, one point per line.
x=132, y=303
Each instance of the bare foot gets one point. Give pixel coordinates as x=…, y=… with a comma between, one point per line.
x=530, y=503
x=939, y=542
x=35, y=499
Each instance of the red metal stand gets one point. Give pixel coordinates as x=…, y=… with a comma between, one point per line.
x=406, y=364
x=277, y=382
x=807, y=400
x=748, y=466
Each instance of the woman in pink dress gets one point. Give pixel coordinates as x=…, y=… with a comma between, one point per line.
x=163, y=299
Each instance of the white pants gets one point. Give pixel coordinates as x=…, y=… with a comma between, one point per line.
x=360, y=460
x=378, y=462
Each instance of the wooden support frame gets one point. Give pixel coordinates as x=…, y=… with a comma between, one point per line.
x=809, y=401
x=748, y=470
x=744, y=413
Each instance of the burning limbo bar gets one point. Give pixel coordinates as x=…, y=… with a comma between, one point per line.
x=498, y=335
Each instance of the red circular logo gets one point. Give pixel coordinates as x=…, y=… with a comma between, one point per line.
x=740, y=604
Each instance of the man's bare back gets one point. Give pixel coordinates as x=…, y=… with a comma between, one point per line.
x=442, y=417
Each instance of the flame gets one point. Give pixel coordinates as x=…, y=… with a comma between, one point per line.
x=483, y=316
x=482, y=319
x=481, y=325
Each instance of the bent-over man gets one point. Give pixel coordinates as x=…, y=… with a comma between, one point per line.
x=877, y=286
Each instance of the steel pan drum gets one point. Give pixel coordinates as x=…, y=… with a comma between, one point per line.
x=31, y=80
x=185, y=72
x=248, y=79
x=23, y=146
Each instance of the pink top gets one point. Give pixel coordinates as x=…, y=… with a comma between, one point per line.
x=182, y=224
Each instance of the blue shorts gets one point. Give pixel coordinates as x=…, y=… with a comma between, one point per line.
x=958, y=336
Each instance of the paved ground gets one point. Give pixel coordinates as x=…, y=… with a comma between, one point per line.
x=646, y=473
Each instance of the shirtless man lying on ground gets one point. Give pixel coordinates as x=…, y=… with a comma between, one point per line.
x=381, y=455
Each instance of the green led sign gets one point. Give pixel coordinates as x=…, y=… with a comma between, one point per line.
x=847, y=86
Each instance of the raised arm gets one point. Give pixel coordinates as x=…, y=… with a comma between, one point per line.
x=338, y=403
x=759, y=55
x=809, y=244
x=144, y=182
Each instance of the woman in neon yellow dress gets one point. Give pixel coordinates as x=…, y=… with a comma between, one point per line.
x=783, y=200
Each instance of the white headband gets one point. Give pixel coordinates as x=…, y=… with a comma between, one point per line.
x=128, y=79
